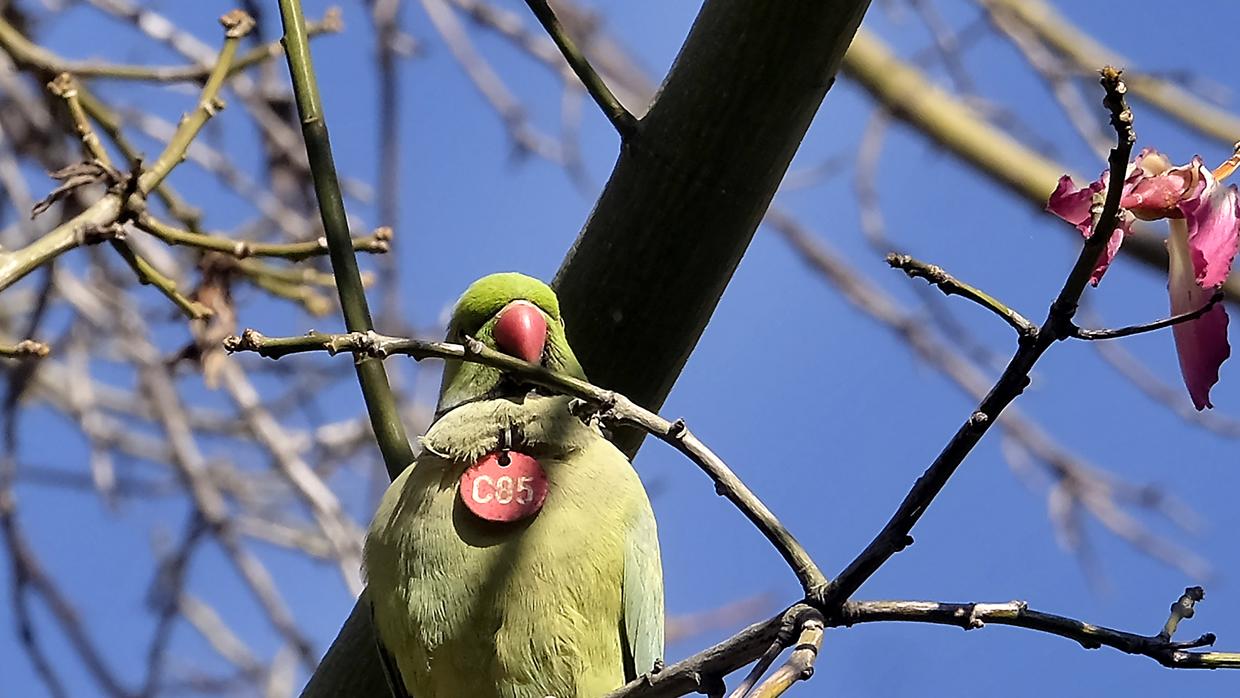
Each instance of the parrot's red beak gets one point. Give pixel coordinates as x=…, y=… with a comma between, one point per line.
x=521, y=330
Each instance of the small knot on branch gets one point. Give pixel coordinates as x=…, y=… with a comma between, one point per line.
x=26, y=349
x=63, y=85
x=211, y=107
x=1121, y=116
x=473, y=347
x=249, y=340
x=93, y=234
x=237, y=23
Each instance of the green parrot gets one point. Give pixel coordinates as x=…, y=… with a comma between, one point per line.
x=517, y=556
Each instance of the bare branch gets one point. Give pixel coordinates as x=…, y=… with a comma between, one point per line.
x=1130, y=330
x=950, y=285
x=620, y=118
x=607, y=404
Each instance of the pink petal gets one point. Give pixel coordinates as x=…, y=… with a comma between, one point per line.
x=1107, y=255
x=1155, y=197
x=1072, y=204
x=1202, y=343
x=1213, y=218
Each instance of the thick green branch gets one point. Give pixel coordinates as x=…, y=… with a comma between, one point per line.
x=380, y=402
x=691, y=187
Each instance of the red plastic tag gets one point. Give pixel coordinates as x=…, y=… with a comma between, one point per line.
x=504, y=486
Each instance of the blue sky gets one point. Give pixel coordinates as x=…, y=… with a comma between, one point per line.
x=830, y=430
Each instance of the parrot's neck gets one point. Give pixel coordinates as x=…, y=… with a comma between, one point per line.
x=531, y=422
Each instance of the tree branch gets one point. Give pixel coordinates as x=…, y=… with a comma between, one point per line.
x=620, y=118
x=1018, y=614
x=148, y=275
x=378, y=242
x=800, y=664
x=26, y=52
x=1079, y=333
x=380, y=402
x=894, y=536
x=607, y=404
x=236, y=25
x=688, y=192
x=950, y=285
x=910, y=96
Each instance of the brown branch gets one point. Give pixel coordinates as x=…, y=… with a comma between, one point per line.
x=609, y=405
x=27, y=53
x=378, y=242
x=910, y=96
x=101, y=216
x=705, y=667
x=620, y=118
x=1017, y=614
x=148, y=275
x=1130, y=330
x=950, y=285
x=1075, y=481
x=894, y=536
x=800, y=664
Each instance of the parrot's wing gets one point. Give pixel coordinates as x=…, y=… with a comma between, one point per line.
x=396, y=685
x=642, y=595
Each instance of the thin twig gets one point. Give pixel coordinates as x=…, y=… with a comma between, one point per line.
x=620, y=118
x=236, y=25
x=800, y=664
x=29, y=53
x=377, y=242
x=66, y=87
x=610, y=405
x=950, y=285
x=148, y=275
x=1018, y=614
x=1079, y=333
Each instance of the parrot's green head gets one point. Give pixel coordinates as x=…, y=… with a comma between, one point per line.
x=512, y=313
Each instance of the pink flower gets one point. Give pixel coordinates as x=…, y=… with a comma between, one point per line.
x=1205, y=231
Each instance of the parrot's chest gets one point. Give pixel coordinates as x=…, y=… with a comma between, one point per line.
x=512, y=609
